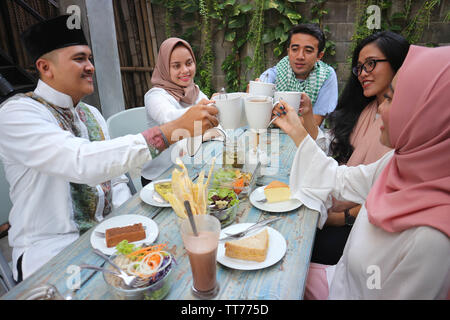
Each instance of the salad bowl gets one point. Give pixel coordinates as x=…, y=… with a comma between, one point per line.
x=156, y=287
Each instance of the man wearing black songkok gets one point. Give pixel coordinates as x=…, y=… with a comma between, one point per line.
x=65, y=174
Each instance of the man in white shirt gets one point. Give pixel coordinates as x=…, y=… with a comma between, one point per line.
x=65, y=174
x=302, y=70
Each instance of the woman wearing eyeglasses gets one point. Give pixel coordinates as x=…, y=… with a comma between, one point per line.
x=354, y=135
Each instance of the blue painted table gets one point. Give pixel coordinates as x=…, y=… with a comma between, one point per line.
x=283, y=280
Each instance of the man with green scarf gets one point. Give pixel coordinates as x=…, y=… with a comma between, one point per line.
x=302, y=70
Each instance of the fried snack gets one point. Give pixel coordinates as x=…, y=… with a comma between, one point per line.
x=184, y=189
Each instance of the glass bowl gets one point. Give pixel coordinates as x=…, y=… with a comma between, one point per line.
x=226, y=216
x=155, y=291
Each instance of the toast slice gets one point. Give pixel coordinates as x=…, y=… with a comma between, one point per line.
x=252, y=248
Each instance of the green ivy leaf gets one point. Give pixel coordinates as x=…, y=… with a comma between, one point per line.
x=296, y=1
x=294, y=17
x=279, y=31
x=237, y=22
x=268, y=36
x=230, y=2
x=230, y=36
x=271, y=4
x=245, y=7
x=278, y=51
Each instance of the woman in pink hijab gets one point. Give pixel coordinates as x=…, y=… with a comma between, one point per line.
x=399, y=246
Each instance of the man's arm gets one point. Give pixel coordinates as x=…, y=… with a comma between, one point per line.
x=327, y=99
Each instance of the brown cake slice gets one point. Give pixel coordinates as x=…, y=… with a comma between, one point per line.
x=131, y=233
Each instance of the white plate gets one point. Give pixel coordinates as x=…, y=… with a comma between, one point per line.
x=147, y=194
x=277, y=249
x=121, y=221
x=283, y=206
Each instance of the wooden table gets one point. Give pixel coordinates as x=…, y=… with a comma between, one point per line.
x=284, y=280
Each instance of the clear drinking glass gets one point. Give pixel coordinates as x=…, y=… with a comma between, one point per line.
x=202, y=252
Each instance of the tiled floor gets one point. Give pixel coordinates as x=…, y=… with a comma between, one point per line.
x=6, y=251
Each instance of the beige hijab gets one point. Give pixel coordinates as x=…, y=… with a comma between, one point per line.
x=365, y=137
x=161, y=74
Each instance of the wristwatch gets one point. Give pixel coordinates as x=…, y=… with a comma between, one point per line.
x=349, y=219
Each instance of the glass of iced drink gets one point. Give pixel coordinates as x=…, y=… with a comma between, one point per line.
x=202, y=251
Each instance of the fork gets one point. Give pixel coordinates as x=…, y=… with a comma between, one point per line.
x=129, y=280
x=134, y=283
x=251, y=228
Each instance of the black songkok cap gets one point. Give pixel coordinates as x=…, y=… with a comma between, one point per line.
x=49, y=35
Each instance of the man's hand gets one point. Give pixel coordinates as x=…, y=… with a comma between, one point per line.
x=308, y=118
x=195, y=120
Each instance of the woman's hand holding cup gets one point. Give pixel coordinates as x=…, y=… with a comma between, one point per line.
x=289, y=122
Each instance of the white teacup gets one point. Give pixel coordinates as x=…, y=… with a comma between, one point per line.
x=230, y=110
x=242, y=96
x=291, y=97
x=258, y=88
x=258, y=111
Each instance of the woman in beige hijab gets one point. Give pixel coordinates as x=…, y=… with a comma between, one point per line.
x=172, y=94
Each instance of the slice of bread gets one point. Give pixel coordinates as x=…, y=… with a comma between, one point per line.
x=252, y=248
x=131, y=233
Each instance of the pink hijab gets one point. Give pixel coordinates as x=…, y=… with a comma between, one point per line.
x=161, y=74
x=414, y=188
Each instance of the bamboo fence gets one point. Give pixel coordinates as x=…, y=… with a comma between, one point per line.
x=136, y=39
x=15, y=22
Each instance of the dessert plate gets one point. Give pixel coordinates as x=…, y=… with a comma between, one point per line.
x=283, y=206
x=99, y=243
x=276, y=251
x=149, y=195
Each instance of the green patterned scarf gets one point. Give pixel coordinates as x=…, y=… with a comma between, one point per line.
x=286, y=80
x=85, y=199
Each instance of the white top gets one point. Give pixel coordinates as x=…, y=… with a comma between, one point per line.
x=376, y=264
x=40, y=160
x=161, y=108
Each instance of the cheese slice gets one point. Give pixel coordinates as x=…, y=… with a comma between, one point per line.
x=251, y=248
x=277, y=191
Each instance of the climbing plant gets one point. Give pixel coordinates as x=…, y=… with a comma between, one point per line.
x=405, y=22
x=253, y=29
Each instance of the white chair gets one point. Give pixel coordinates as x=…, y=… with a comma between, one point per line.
x=6, y=277
x=131, y=121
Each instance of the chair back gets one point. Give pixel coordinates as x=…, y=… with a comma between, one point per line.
x=130, y=121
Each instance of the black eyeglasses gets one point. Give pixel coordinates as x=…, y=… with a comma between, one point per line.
x=368, y=66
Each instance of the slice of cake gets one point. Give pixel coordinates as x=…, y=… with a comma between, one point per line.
x=253, y=248
x=277, y=191
x=131, y=233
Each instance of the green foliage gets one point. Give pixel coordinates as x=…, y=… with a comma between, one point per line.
x=405, y=22
x=247, y=25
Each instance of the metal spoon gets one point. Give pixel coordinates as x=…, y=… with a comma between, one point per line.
x=187, y=205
